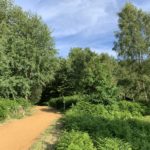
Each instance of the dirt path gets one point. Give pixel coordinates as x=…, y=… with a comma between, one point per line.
x=20, y=134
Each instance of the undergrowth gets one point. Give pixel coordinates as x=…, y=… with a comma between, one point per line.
x=13, y=108
x=118, y=126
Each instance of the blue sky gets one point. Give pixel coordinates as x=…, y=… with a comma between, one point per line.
x=81, y=23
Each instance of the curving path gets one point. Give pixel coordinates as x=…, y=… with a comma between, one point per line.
x=21, y=134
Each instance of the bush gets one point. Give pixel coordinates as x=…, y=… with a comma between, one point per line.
x=126, y=109
x=9, y=108
x=112, y=144
x=119, y=110
x=24, y=103
x=97, y=99
x=75, y=140
x=132, y=107
x=121, y=121
x=64, y=102
x=3, y=112
x=13, y=108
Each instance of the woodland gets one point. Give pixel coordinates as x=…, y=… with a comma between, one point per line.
x=105, y=100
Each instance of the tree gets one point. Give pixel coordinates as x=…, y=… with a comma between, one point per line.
x=62, y=84
x=132, y=45
x=92, y=74
x=29, y=49
x=78, y=59
x=84, y=72
x=99, y=82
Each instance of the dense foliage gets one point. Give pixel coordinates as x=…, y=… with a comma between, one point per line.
x=66, y=102
x=85, y=72
x=110, y=122
x=133, y=48
x=120, y=125
x=112, y=144
x=27, y=55
x=13, y=108
x=94, y=87
x=75, y=141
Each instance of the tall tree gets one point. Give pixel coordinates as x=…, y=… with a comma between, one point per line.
x=29, y=49
x=92, y=74
x=132, y=45
x=78, y=59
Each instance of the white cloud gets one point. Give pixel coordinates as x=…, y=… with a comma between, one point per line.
x=69, y=17
x=79, y=21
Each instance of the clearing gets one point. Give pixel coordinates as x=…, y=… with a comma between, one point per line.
x=21, y=134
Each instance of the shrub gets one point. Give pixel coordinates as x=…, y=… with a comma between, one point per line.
x=112, y=144
x=64, y=102
x=24, y=103
x=13, y=108
x=109, y=111
x=9, y=107
x=97, y=99
x=75, y=140
x=146, y=108
x=121, y=121
x=132, y=107
x=56, y=102
x=3, y=112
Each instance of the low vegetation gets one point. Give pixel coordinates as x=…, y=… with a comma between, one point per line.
x=120, y=125
x=75, y=140
x=112, y=144
x=65, y=102
x=13, y=108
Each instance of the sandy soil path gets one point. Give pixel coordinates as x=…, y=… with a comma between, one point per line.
x=21, y=134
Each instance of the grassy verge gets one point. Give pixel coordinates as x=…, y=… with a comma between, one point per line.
x=14, y=109
x=48, y=138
